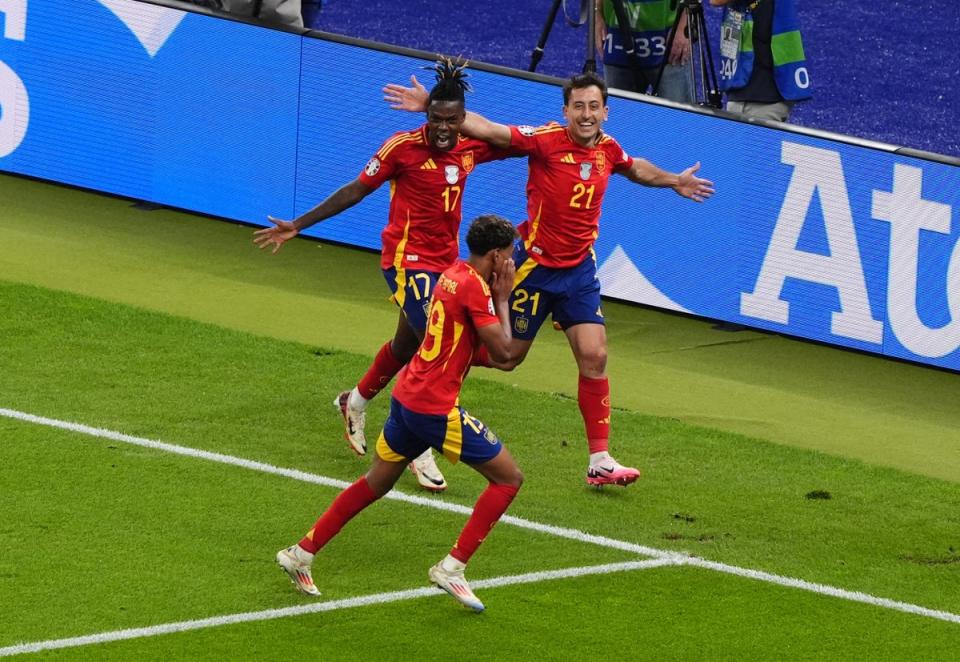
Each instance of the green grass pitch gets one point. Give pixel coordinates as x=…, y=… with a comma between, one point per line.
x=172, y=328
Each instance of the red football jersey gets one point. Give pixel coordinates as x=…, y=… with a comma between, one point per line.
x=461, y=303
x=565, y=188
x=426, y=189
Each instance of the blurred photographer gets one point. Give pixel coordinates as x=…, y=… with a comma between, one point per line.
x=762, y=65
x=650, y=25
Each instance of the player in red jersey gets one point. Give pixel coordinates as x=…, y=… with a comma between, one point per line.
x=427, y=169
x=570, y=166
x=469, y=310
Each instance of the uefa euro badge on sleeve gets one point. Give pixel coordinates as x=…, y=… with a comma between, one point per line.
x=452, y=174
x=585, y=169
x=730, y=34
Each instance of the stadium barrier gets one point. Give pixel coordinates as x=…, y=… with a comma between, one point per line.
x=810, y=234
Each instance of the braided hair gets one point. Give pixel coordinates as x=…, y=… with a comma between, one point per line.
x=451, y=80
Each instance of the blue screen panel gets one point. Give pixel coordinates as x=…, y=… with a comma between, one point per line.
x=158, y=104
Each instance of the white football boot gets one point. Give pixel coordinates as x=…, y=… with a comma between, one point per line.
x=448, y=575
x=428, y=473
x=353, y=421
x=296, y=561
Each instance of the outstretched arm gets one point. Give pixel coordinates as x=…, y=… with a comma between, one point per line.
x=414, y=99
x=282, y=231
x=686, y=184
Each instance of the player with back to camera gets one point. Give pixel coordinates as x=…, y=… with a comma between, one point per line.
x=569, y=168
x=427, y=168
x=469, y=310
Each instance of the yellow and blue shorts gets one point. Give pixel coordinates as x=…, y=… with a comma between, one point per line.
x=411, y=290
x=570, y=294
x=458, y=436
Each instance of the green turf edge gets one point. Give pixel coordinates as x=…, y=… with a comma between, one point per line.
x=788, y=392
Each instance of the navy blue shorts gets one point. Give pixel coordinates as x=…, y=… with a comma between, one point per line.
x=571, y=295
x=411, y=290
x=458, y=435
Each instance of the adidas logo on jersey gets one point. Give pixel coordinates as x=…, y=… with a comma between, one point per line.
x=428, y=165
x=568, y=158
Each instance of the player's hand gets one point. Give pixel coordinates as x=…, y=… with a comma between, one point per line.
x=502, y=284
x=693, y=187
x=277, y=235
x=413, y=99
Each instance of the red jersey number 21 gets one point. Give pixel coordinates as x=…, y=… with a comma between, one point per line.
x=579, y=190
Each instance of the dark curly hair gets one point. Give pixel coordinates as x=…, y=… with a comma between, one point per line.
x=451, y=80
x=488, y=232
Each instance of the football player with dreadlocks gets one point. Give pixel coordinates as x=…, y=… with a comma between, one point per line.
x=427, y=168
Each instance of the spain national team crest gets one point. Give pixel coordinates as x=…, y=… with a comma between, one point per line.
x=452, y=173
x=601, y=160
x=521, y=324
x=585, y=169
x=467, y=161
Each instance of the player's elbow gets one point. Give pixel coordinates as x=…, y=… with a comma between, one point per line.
x=503, y=358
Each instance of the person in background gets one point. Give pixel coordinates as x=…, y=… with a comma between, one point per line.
x=650, y=23
x=763, y=68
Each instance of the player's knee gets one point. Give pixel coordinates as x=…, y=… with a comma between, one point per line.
x=514, y=479
x=593, y=360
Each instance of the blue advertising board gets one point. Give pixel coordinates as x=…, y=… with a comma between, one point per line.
x=811, y=236
x=150, y=102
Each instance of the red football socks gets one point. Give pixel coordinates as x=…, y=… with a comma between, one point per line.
x=380, y=372
x=347, y=504
x=486, y=512
x=593, y=396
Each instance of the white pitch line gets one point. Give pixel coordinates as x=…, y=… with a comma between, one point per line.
x=677, y=558
x=318, y=607
x=823, y=589
x=434, y=502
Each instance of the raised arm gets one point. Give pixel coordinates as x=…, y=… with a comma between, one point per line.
x=686, y=183
x=414, y=99
x=497, y=337
x=282, y=231
x=479, y=127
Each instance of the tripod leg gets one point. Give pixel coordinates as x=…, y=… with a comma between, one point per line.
x=713, y=91
x=590, y=60
x=709, y=91
x=537, y=54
